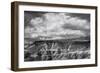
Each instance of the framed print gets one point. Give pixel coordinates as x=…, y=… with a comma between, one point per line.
x=52, y=36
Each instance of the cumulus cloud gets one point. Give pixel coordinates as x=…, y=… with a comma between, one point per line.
x=57, y=26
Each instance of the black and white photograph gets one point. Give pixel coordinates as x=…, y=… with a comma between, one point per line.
x=56, y=36
x=53, y=36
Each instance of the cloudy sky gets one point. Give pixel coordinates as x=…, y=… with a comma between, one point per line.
x=53, y=25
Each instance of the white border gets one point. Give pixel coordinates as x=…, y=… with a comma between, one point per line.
x=23, y=64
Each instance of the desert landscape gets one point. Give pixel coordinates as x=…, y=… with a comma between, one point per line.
x=57, y=50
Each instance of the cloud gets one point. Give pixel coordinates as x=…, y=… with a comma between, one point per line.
x=56, y=25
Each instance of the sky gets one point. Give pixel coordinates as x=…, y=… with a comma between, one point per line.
x=56, y=25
